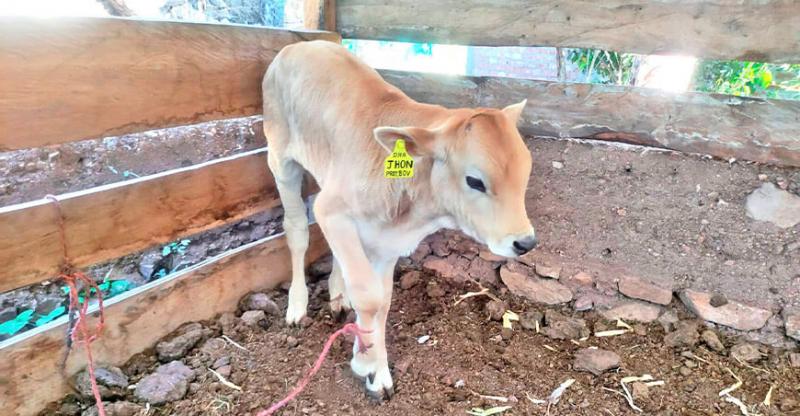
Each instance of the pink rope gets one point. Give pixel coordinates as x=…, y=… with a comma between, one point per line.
x=350, y=328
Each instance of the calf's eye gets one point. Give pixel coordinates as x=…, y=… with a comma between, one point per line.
x=476, y=184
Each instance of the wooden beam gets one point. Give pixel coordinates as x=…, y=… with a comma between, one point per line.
x=723, y=126
x=319, y=15
x=29, y=376
x=741, y=30
x=114, y=220
x=67, y=79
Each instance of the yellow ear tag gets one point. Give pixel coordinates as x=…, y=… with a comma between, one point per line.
x=398, y=164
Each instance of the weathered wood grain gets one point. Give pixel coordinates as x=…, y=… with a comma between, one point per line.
x=29, y=375
x=765, y=30
x=114, y=220
x=726, y=127
x=319, y=14
x=67, y=79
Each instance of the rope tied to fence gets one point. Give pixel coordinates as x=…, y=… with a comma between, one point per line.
x=351, y=329
x=78, y=331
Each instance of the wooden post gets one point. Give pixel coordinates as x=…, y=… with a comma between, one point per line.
x=319, y=15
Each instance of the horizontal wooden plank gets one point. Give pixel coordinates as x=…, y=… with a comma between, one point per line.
x=67, y=79
x=29, y=376
x=114, y=220
x=765, y=131
x=738, y=30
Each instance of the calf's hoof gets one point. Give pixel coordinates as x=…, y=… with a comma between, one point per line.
x=294, y=314
x=340, y=307
x=378, y=391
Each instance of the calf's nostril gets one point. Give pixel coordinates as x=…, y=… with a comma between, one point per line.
x=524, y=245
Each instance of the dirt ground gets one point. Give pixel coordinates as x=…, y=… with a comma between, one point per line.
x=674, y=219
x=466, y=349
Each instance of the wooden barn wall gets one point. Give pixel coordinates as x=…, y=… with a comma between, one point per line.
x=68, y=79
x=29, y=365
x=765, y=30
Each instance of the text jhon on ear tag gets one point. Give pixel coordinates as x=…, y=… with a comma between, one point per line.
x=398, y=164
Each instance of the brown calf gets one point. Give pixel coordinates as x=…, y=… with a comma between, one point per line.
x=328, y=113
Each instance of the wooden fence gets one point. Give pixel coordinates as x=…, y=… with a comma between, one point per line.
x=63, y=80
x=744, y=128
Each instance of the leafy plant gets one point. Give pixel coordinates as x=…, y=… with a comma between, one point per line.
x=755, y=79
x=605, y=67
x=13, y=326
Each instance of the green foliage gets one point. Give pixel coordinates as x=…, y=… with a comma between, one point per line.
x=13, y=326
x=755, y=79
x=605, y=67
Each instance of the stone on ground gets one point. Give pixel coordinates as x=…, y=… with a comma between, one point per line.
x=532, y=320
x=423, y=250
x=179, y=346
x=552, y=272
x=633, y=311
x=489, y=256
x=580, y=279
x=228, y=323
x=640, y=391
x=637, y=288
x=595, y=361
x=454, y=267
x=434, y=290
x=794, y=359
x=746, y=352
x=711, y=339
x=540, y=290
x=495, y=309
x=793, y=325
x=732, y=314
x=564, y=327
x=483, y=271
x=122, y=408
x=168, y=383
x=111, y=381
x=768, y=203
x=253, y=318
x=583, y=303
x=409, y=279
x=668, y=319
x=684, y=336
x=260, y=302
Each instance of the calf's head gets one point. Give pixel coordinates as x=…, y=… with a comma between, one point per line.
x=479, y=174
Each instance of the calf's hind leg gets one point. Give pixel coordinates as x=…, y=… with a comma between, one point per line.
x=289, y=180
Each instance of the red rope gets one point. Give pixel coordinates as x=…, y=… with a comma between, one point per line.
x=350, y=328
x=79, y=333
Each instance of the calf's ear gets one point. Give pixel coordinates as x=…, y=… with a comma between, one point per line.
x=514, y=111
x=420, y=142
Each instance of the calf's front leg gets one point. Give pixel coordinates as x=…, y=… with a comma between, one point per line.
x=366, y=287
